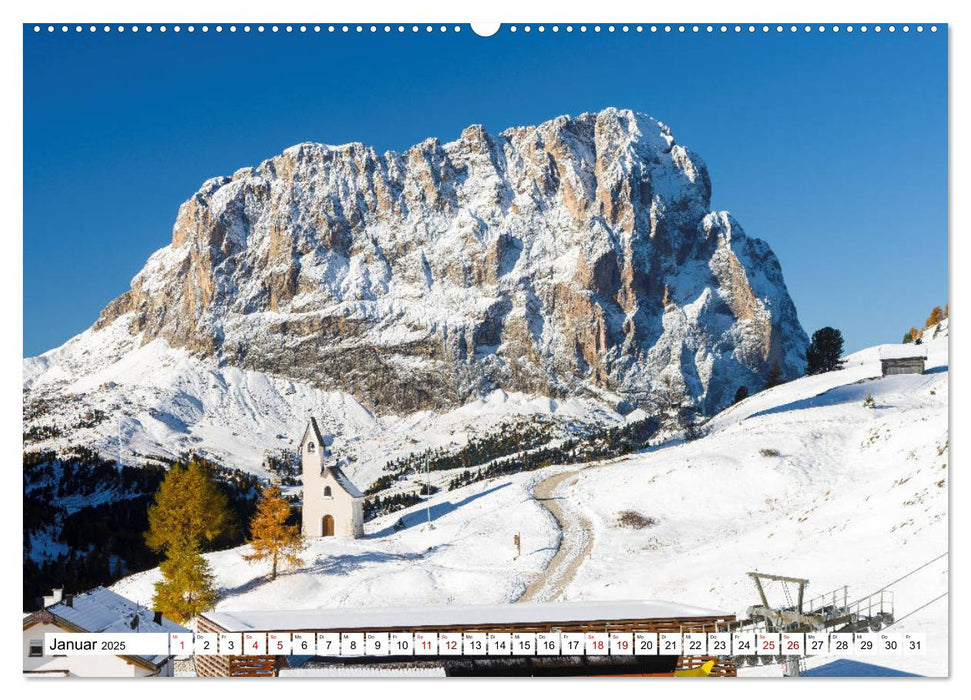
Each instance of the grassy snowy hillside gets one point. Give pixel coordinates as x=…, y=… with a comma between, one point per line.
x=802, y=480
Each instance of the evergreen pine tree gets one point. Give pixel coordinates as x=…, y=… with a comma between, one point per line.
x=824, y=351
x=774, y=377
x=741, y=394
x=270, y=536
x=187, y=587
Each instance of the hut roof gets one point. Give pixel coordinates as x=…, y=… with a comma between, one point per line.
x=454, y=615
x=903, y=351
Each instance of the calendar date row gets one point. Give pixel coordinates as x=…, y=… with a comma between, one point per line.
x=421, y=643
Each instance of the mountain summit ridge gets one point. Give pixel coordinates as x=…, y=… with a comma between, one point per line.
x=573, y=258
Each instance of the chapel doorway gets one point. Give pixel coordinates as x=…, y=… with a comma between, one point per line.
x=328, y=526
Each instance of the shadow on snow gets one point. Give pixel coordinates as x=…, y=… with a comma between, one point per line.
x=335, y=565
x=421, y=515
x=854, y=393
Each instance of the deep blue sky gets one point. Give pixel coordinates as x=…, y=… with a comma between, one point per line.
x=831, y=147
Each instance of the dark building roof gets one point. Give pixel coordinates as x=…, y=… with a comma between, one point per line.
x=314, y=430
x=345, y=483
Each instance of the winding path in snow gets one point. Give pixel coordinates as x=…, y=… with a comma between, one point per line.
x=576, y=540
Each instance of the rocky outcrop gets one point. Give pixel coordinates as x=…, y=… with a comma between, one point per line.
x=574, y=257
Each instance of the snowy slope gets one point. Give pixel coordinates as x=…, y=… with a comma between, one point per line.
x=842, y=495
x=467, y=556
x=855, y=496
x=159, y=400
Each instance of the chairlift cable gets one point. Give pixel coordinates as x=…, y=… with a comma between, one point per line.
x=900, y=619
x=910, y=573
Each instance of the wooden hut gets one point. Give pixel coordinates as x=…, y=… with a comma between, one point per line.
x=906, y=358
x=580, y=616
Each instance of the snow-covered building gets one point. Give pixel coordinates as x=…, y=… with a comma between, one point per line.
x=905, y=358
x=98, y=610
x=332, y=505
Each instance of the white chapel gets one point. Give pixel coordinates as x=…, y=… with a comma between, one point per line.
x=332, y=505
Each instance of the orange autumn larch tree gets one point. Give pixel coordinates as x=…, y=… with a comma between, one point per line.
x=270, y=536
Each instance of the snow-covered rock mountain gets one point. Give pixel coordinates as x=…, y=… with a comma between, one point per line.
x=576, y=260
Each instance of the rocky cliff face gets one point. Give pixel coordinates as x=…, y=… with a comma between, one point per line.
x=577, y=257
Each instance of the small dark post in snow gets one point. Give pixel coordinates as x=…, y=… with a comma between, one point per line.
x=428, y=495
x=515, y=541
